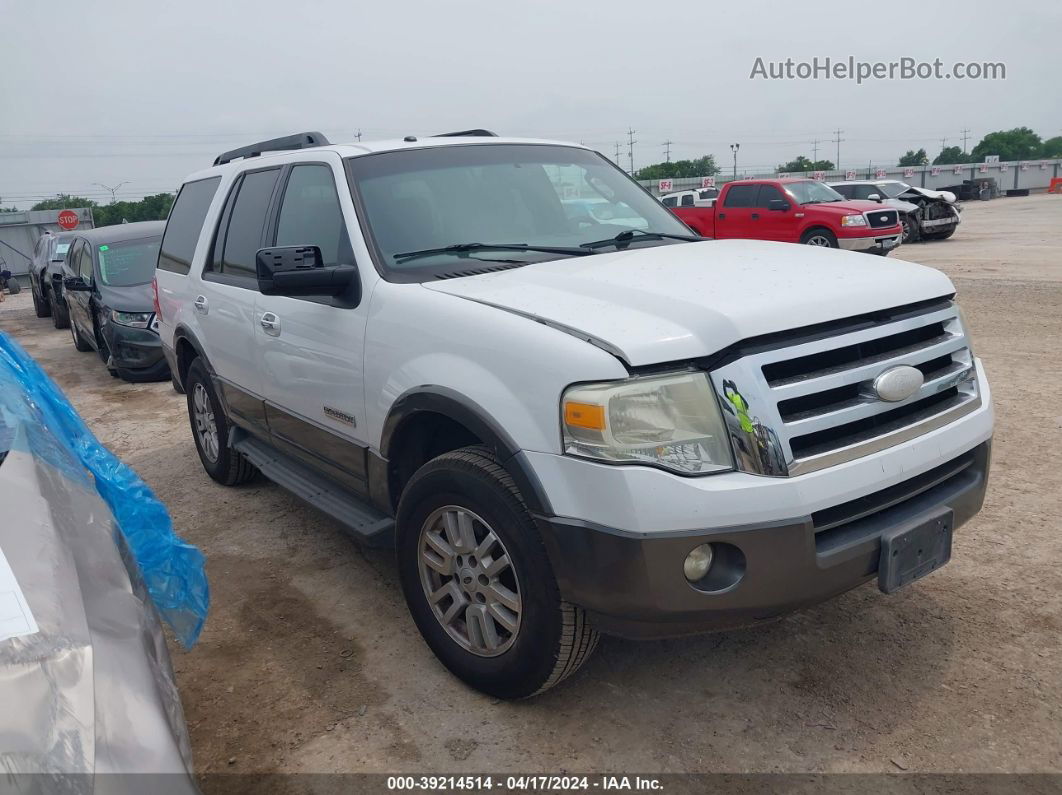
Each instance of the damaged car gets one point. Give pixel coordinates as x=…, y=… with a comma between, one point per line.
x=924, y=214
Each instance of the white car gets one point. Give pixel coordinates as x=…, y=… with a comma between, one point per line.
x=699, y=197
x=565, y=429
x=924, y=214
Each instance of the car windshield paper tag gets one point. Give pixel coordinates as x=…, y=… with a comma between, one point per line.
x=16, y=619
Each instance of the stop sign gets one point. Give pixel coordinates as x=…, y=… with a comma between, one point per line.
x=67, y=219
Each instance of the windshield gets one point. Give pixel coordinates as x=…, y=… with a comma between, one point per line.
x=130, y=262
x=537, y=195
x=810, y=191
x=893, y=189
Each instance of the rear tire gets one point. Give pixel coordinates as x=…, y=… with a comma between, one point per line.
x=60, y=313
x=823, y=238
x=509, y=632
x=210, y=430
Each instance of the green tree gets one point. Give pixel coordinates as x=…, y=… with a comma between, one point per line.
x=62, y=202
x=703, y=166
x=150, y=208
x=1052, y=147
x=802, y=164
x=951, y=155
x=913, y=158
x=1021, y=143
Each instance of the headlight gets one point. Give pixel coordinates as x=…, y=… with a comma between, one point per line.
x=853, y=220
x=670, y=421
x=134, y=319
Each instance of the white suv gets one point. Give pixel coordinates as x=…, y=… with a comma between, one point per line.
x=565, y=425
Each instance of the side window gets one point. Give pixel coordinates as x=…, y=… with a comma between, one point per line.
x=864, y=191
x=687, y=200
x=848, y=191
x=246, y=223
x=185, y=223
x=310, y=214
x=84, y=265
x=767, y=194
x=741, y=196
x=671, y=201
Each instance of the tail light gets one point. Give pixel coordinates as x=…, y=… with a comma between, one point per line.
x=155, y=298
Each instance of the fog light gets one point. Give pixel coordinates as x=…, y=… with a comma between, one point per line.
x=698, y=562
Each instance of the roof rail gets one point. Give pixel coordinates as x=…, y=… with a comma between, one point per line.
x=303, y=140
x=476, y=133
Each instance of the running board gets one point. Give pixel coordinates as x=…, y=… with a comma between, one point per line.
x=363, y=522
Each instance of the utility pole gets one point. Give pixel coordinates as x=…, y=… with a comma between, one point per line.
x=358, y=134
x=965, y=135
x=630, y=149
x=815, y=151
x=617, y=157
x=111, y=190
x=734, y=148
x=667, y=151
x=837, y=140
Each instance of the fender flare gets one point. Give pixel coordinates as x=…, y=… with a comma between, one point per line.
x=452, y=404
x=183, y=333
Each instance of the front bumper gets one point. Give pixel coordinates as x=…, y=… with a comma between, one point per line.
x=136, y=353
x=633, y=586
x=870, y=242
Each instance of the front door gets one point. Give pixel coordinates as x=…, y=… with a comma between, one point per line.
x=776, y=224
x=79, y=302
x=310, y=351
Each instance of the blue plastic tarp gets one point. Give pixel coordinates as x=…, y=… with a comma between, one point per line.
x=172, y=569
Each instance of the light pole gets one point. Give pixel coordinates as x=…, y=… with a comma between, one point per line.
x=734, y=148
x=112, y=190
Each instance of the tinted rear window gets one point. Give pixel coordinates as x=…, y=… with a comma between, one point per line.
x=243, y=237
x=185, y=223
x=741, y=196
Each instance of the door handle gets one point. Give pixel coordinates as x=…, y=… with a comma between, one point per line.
x=201, y=305
x=721, y=216
x=270, y=323
x=755, y=216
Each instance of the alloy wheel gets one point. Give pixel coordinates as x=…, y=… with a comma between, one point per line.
x=820, y=240
x=469, y=581
x=205, y=426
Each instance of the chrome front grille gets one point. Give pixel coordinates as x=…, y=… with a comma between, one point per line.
x=795, y=408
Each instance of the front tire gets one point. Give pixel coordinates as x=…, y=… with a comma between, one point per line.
x=60, y=313
x=478, y=582
x=911, y=231
x=79, y=341
x=823, y=238
x=210, y=430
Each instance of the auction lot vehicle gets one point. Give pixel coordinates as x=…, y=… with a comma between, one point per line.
x=46, y=268
x=564, y=431
x=795, y=211
x=107, y=278
x=700, y=197
x=924, y=214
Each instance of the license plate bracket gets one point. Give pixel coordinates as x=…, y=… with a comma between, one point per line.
x=910, y=552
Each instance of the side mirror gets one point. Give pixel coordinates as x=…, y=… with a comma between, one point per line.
x=781, y=205
x=300, y=271
x=875, y=197
x=76, y=284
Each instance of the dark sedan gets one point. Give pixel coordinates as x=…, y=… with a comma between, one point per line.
x=107, y=286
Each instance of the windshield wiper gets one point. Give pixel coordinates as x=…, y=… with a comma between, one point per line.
x=624, y=238
x=464, y=248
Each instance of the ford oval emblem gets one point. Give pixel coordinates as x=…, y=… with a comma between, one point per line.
x=898, y=383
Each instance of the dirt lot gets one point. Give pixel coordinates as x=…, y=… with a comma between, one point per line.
x=309, y=661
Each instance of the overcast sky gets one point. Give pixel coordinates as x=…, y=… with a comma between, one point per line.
x=145, y=92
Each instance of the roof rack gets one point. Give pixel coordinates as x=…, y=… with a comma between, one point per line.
x=303, y=140
x=476, y=133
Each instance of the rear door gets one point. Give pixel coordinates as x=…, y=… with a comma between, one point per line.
x=733, y=218
x=225, y=305
x=308, y=349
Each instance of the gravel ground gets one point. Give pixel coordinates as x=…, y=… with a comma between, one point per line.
x=310, y=662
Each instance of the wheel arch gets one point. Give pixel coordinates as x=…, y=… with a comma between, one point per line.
x=186, y=348
x=432, y=409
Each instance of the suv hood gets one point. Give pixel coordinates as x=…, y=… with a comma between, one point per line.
x=684, y=301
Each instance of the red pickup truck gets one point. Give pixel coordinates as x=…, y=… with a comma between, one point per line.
x=795, y=211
